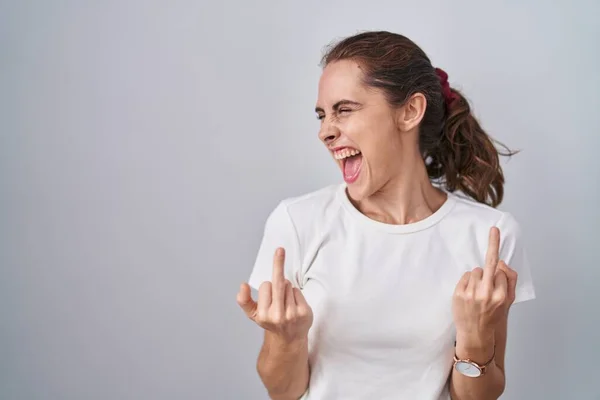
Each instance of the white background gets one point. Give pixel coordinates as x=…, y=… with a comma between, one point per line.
x=143, y=143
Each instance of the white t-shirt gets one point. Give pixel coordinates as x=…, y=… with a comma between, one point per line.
x=381, y=294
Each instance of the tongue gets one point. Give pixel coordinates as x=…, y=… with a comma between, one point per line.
x=352, y=165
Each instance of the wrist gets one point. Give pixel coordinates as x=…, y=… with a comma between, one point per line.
x=476, y=347
x=476, y=339
x=286, y=343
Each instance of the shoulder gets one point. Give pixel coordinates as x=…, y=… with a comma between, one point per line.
x=305, y=218
x=291, y=224
x=477, y=215
x=468, y=226
x=309, y=206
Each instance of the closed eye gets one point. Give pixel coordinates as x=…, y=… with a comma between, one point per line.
x=340, y=108
x=341, y=111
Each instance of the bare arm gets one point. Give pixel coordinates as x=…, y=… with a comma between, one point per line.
x=482, y=300
x=283, y=367
x=286, y=317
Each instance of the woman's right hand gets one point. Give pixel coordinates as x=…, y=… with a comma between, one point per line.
x=281, y=308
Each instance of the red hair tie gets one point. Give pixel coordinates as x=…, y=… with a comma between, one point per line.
x=449, y=95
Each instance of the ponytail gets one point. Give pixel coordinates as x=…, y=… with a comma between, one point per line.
x=467, y=157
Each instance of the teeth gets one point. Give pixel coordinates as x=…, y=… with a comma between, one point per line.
x=345, y=153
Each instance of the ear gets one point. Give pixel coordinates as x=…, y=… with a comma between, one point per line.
x=411, y=113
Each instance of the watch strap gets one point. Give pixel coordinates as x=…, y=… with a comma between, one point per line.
x=481, y=367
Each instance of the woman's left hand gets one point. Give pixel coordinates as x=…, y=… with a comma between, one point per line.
x=483, y=296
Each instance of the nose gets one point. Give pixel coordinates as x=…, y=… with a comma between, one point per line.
x=329, y=132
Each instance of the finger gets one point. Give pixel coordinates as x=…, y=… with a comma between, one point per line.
x=289, y=301
x=244, y=299
x=501, y=283
x=278, y=264
x=299, y=298
x=463, y=282
x=475, y=279
x=265, y=298
x=512, y=278
x=491, y=256
x=278, y=280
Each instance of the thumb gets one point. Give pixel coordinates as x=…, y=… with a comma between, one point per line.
x=244, y=299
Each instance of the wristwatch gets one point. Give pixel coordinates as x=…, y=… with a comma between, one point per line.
x=470, y=368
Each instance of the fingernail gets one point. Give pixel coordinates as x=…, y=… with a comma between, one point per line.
x=279, y=252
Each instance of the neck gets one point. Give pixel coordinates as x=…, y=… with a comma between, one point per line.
x=406, y=198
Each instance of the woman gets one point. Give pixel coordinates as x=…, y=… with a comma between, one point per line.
x=393, y=285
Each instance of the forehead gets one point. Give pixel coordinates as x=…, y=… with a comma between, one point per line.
x=341, y=80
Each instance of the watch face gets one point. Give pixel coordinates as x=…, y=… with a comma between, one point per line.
x=467, y=369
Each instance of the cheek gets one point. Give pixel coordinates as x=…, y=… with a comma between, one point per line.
x=363, y=132
x=355, y=130
x=380, y=145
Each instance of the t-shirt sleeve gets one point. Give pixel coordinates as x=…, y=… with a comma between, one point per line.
x=279, y=231
x=513, y=253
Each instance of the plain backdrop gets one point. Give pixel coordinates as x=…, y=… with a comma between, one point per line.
x=143, y=144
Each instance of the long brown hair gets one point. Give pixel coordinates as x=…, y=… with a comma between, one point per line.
x=458, y=153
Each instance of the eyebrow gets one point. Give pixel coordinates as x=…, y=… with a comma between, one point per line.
x=337, y=105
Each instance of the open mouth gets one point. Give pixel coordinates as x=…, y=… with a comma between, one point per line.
x=351, y=160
